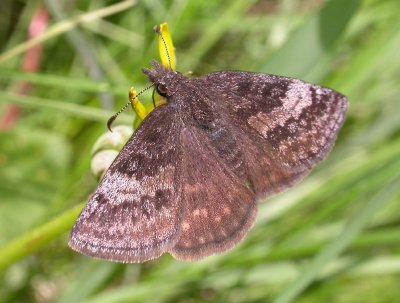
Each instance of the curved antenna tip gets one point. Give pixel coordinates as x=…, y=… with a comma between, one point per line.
x=110, y=122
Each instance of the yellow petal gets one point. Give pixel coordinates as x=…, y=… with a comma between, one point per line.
x=137, y=106
x=167, y=49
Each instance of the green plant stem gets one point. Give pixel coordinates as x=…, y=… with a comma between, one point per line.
x=66, y=25
x=38, y=237
x=67, y=107
x=84, y=49
x=369, y=240
x=66, y=83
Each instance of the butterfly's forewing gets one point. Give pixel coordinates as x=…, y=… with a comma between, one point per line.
x=136, y=212
x=220, y=209
x=282, y=126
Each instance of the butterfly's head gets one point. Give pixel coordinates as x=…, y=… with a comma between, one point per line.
x=165, y=80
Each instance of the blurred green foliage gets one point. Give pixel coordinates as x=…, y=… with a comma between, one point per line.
x=333, y=238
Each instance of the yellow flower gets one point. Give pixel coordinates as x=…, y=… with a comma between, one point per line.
x=168, y=59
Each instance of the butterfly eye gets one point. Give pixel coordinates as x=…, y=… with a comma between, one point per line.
x=162, y=89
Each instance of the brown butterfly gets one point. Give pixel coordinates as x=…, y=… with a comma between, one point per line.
x=188, y=180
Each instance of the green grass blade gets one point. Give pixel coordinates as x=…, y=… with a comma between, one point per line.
x=338, y=245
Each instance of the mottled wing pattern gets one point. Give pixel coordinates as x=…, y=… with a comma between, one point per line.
x=220, y=209
x=283, y=126
x=136, y=212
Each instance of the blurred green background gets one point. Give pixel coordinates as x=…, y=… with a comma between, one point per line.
x=335, y=237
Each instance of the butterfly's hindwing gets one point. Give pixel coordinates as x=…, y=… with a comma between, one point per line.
x=220, y=209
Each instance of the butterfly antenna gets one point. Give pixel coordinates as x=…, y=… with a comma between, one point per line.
x=158, y=31
x=131, y=98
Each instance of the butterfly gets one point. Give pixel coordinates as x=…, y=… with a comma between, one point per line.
x=188, y=180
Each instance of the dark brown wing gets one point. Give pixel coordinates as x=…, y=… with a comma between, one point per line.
x=220, y=209
x=282, y=126
x=135, y=213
